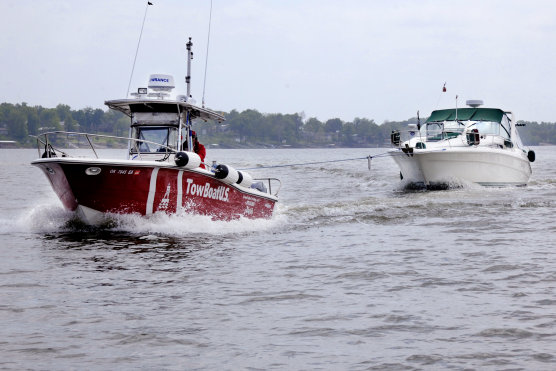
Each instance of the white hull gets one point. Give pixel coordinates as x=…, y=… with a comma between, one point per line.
x=482, y=165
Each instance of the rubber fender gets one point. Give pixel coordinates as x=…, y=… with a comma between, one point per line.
x=244, y=179
x=226, y=173
x=531, y=156
x=189, y=160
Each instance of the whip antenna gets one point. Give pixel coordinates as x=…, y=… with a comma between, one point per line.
x=137, y=51
x=207, y=56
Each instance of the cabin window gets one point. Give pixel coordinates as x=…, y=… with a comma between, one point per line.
x=452, y=129
x=487, y=127
x=491, y=128
x=433, y=131
x=154, y=139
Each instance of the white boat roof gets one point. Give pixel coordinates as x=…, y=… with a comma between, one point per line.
x=130, y=106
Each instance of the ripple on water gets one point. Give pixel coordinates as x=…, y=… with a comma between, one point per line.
x=510, y=333
x=352, y=273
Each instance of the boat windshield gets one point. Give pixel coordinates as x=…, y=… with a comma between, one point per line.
x=493, y=128
x=162, y=136
x=434, y=131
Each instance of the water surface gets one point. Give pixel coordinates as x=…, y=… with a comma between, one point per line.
x=353, y=272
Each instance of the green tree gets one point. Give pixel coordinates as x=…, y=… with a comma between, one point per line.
x=17, y=125
x=333, y=125
x=247, y=124
x=49, y=120
x=348, y=134
x=65, y=116
x=89, y=119
x=97, y=120
x=33, y=121
x=115, y=122
x=313, y=125
x=367, y=131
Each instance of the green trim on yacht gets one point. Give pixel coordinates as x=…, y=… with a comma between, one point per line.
x=464, y=114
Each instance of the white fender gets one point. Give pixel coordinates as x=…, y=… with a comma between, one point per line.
x=189, y=160
x=226, y=173
x=245, y=179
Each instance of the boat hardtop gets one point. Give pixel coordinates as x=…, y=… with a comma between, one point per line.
x=174, y=106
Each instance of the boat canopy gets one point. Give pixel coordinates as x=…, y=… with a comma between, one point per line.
x=130, y=106
x=464, y=114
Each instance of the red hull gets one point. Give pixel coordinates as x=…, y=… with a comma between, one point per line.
x=127, y=189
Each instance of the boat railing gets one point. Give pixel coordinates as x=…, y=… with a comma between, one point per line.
x=52, y=145
x=398, y=137
x=270, y=182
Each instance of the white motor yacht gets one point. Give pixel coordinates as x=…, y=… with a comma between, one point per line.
x=466, y=145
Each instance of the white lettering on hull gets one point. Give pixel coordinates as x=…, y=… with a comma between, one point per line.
x=206, y=191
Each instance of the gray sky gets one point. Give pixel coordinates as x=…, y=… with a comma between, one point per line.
x=382, y=60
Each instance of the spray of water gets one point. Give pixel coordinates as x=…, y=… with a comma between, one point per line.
x=52, y=218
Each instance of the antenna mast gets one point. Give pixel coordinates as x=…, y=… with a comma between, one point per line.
x=137, y=50
x=188, y=77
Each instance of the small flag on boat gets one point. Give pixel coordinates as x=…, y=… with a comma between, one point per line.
x=149, y=3
x=444, y=88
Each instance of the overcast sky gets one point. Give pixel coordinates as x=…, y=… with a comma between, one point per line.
x=382, y=60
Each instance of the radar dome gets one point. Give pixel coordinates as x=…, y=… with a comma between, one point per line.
x=474, y=103
x=158, y=82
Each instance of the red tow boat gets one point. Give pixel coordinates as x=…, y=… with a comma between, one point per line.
x=161, y=172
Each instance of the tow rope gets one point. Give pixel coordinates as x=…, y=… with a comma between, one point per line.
x=368, y=158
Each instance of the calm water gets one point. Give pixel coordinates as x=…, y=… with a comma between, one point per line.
x=352, y=273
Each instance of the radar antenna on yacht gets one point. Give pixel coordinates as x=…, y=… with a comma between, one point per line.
x=474, y=103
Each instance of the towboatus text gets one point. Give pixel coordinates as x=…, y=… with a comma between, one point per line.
x=220, y=193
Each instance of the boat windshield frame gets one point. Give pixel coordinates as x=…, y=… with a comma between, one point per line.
x=165, y=136
x=446, y=130
x=486, y=127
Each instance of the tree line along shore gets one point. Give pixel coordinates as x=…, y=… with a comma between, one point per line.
x=246, y=129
